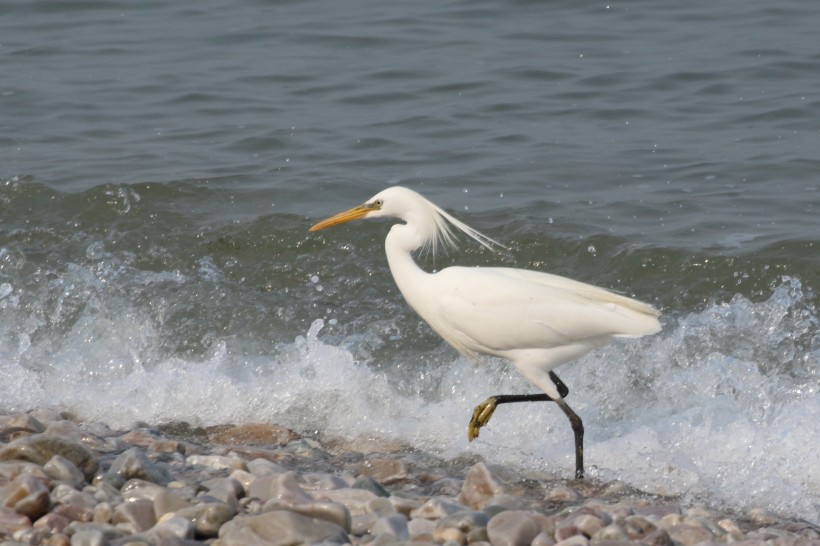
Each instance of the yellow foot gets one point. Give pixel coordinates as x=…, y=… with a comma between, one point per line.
x=481, y=416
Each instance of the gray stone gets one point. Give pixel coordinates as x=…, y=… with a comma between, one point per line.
x=575, y=540
x=61, y=469
x=166, y=501
x=394, y=525
x=609, y=533
x=218, y=462
x=105, y=492
x=279, y=528
x=66, y=494
x=404, y=505
x=465, y=521
x=134, y=463
x=369, y=484
x=689, y=535
x=282, y=487
x=176, y=541
x=174, y=526
x=380, y=507
x=107, y=532
x=543, y=539
x=312, y=481
x=135, y=489
x=361, y=524
x=135, y=516
x=762, y=516
x=40, y=448
x=208, y=518
x=264, y=467
x=658, y=510
x=225, y=490
x=437, y=508
x=512, y=528
x=324, y=510
x=355, y=500
x=421, y=529
x=89, y=537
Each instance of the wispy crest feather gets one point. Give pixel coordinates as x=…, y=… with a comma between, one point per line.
x=446, y=233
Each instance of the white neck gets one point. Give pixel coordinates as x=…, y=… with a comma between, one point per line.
x=399, y=245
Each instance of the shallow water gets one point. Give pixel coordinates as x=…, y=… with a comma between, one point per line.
x=160, y=166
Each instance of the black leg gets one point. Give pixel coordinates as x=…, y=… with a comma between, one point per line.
x=562, y=389
x=483, y=412
x=578, y=430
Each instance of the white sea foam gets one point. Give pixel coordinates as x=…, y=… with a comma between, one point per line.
x=721, y=407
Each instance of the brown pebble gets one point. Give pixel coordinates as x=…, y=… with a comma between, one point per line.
x=40, y=448
x=57, y=539
x=138, y=437
x=385, y=471
x=53, y=522
x=588, y=524
x=26, y=495
x=562, y=494
x=563, y=533
x=636, y=527
x=610, y=533
x=11, y=521
x=165, y=445
x=658, y=537
x=450, y=534
x=689, y=535
x=75, y=512
x=480, y=486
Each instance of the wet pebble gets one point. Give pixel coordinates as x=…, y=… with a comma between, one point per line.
x=81, y=484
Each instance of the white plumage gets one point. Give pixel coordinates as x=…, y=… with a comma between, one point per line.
x=535, y=320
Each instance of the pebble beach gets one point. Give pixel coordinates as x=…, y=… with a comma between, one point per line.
x=69, y=482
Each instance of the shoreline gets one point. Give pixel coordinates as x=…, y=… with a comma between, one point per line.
x=64, y=481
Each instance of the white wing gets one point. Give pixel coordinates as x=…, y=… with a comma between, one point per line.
x=515, y=309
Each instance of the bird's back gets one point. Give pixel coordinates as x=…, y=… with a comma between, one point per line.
x=495, y=310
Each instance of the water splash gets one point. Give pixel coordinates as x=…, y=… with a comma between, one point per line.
x=721, y=407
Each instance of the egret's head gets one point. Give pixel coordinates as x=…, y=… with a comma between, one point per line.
x=394, y=202
x=429, y=224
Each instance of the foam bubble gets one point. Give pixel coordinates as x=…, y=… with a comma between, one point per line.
x=721, y=407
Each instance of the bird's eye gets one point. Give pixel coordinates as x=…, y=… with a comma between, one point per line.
x=377, y=204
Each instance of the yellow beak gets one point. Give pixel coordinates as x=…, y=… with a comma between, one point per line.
x=353, y=214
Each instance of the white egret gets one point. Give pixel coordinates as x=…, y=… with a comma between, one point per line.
x=535, y=320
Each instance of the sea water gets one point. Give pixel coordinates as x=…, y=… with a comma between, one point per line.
x=160, y=165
